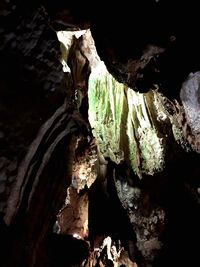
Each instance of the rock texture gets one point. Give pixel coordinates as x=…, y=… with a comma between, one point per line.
x=46, y=145
x=190, y=98
x=38, y=136
x=130, y=126
x=30, y=87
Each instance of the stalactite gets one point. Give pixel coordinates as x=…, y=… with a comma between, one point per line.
x=125, y=123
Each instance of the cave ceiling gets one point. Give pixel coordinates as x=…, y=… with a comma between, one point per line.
x=143, y=43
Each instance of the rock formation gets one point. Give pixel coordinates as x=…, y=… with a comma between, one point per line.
x=99, y=134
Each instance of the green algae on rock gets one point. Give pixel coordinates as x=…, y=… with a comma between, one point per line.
x=122, y=124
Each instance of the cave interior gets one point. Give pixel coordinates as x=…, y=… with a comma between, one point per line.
x=99, y=133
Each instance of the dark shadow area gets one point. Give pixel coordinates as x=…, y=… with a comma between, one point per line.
x=65, y=250
x=175, y=189
x=107, y=217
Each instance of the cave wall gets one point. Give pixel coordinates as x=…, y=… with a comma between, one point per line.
x=31, y=90
x=39, y=128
